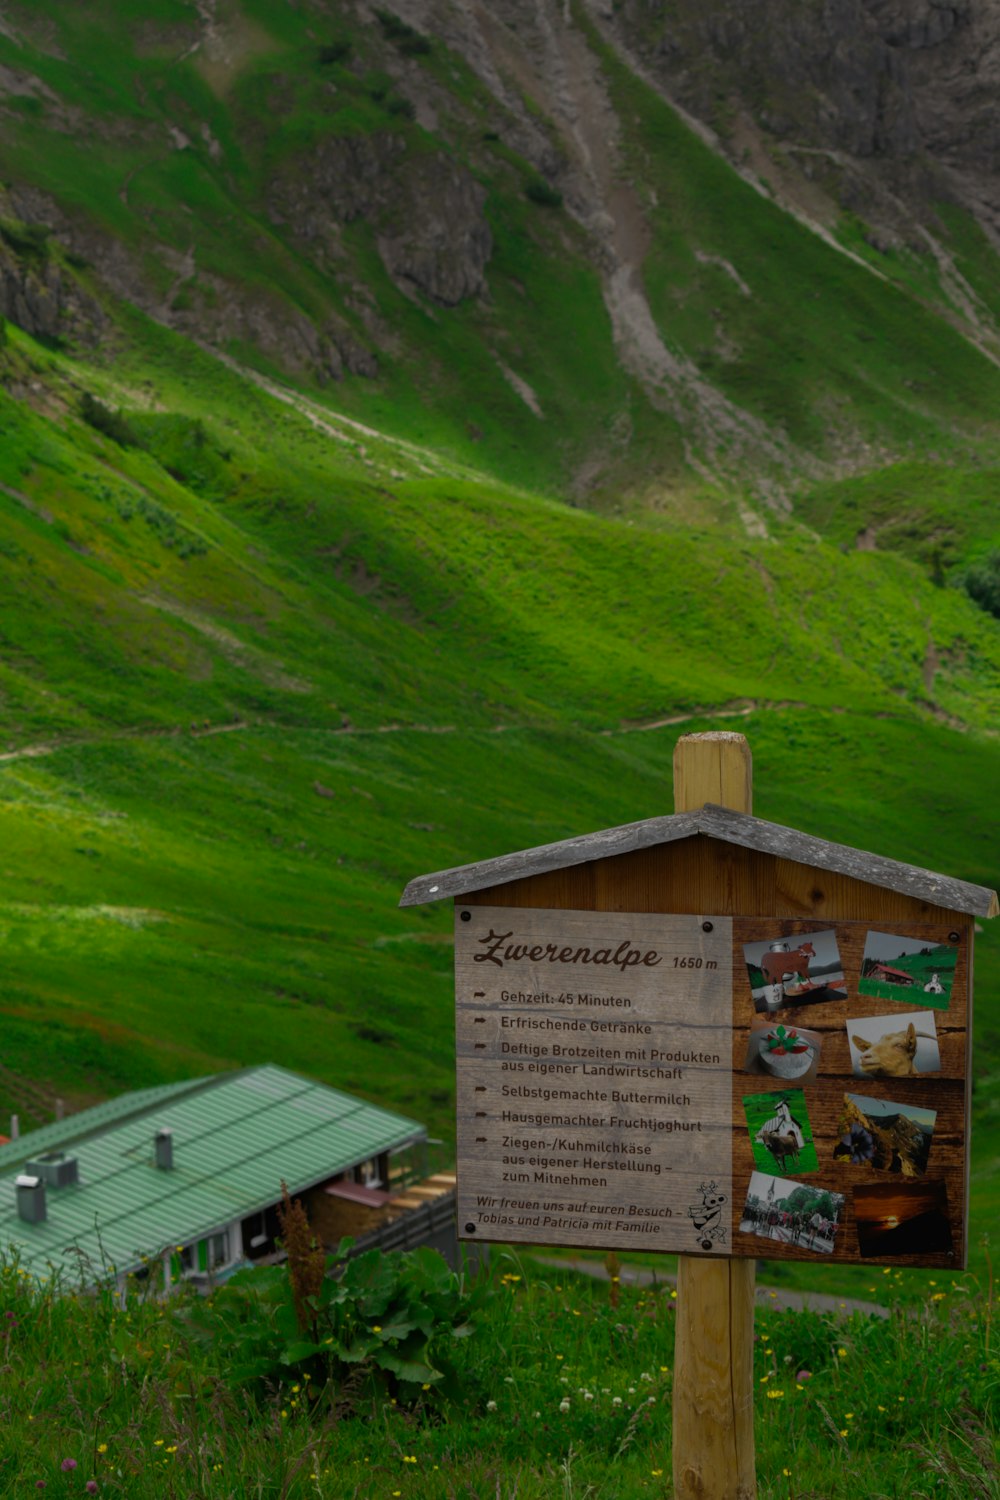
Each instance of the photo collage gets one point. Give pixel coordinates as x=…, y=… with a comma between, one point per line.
x=839, y=1127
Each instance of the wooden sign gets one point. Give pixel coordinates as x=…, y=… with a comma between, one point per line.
x=594, y=1078
x=713, y=1085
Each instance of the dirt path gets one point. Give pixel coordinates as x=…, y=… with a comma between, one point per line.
x=740, y=709
x=841, y=1307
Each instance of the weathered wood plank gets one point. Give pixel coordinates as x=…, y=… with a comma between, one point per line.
x=821, y=865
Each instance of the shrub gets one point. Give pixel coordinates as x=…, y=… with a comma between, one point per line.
x=381, y=1319
x=539, y=191
x=982, y=583
x=398, y=105
x=112, y=423
x=335, y=52
x=409, y=41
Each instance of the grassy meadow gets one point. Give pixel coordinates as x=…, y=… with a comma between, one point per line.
x=136, y=1400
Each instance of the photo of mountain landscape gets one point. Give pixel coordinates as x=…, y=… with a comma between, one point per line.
x=885, y=1135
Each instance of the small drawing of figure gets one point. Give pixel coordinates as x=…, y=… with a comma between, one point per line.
x=706, y=1216
x=934, y=985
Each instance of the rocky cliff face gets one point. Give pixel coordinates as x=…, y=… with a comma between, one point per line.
x=875, y=106
x=427, y=211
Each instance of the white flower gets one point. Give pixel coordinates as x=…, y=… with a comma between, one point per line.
x=631, y=1390
x=509, y=1379
x=491, y=1406
x=645, y=1375
x=616, y=1401
x=588, y=1395
x=564, y=1404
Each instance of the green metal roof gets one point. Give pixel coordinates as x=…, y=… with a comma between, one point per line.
x=236, y=1137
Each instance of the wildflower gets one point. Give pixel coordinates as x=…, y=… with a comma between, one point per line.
x=102, y=1447
x=804, y=1375
x=841, y=1353
x=656, y=1473
x=409, y=1458
x=564, y=1404
x=938, y=1296
x=616, y=1401
x=491, y=1406
x=848, y=1416
x=882, y=1408
x=843, y=1431
x=858, y=1144
x=67, y=1464
x=774, y=1394
x=377, y=1328
x=787, y=1473
x=91, y=1486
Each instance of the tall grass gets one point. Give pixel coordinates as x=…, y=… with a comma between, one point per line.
x=565, y=1389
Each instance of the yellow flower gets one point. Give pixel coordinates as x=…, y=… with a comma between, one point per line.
x=377, y=1328
x=774, y=1394
x=102, y=1447
x=656, y=1473
x=841, y=1353
x=937, y=1296
x=157, y=1442
x=843, y=1432
x=848, y=1416
x=787, y=1473
x=881, y=1408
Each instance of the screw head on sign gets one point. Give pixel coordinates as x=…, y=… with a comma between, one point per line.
x=466, y=916
x=707, y=926
x=470, y=1228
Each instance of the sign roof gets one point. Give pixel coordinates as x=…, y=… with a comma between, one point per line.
x=717, y=823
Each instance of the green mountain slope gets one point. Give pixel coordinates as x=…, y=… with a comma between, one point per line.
x=255, y=677
x=300, y=593
x=521, y=258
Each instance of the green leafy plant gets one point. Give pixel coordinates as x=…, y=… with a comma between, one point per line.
x=781, y=1041
x=385, y=1319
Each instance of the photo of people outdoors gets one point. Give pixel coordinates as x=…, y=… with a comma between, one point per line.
x=792, y=1212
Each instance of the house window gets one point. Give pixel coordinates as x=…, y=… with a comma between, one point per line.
x=369, y=1173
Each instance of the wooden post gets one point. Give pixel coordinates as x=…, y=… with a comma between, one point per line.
x=713, y=1449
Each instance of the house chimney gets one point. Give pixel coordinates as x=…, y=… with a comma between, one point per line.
x=164, y=1143
x=30, y=1199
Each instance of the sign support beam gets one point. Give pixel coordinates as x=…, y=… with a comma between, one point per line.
x=713, y=1442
